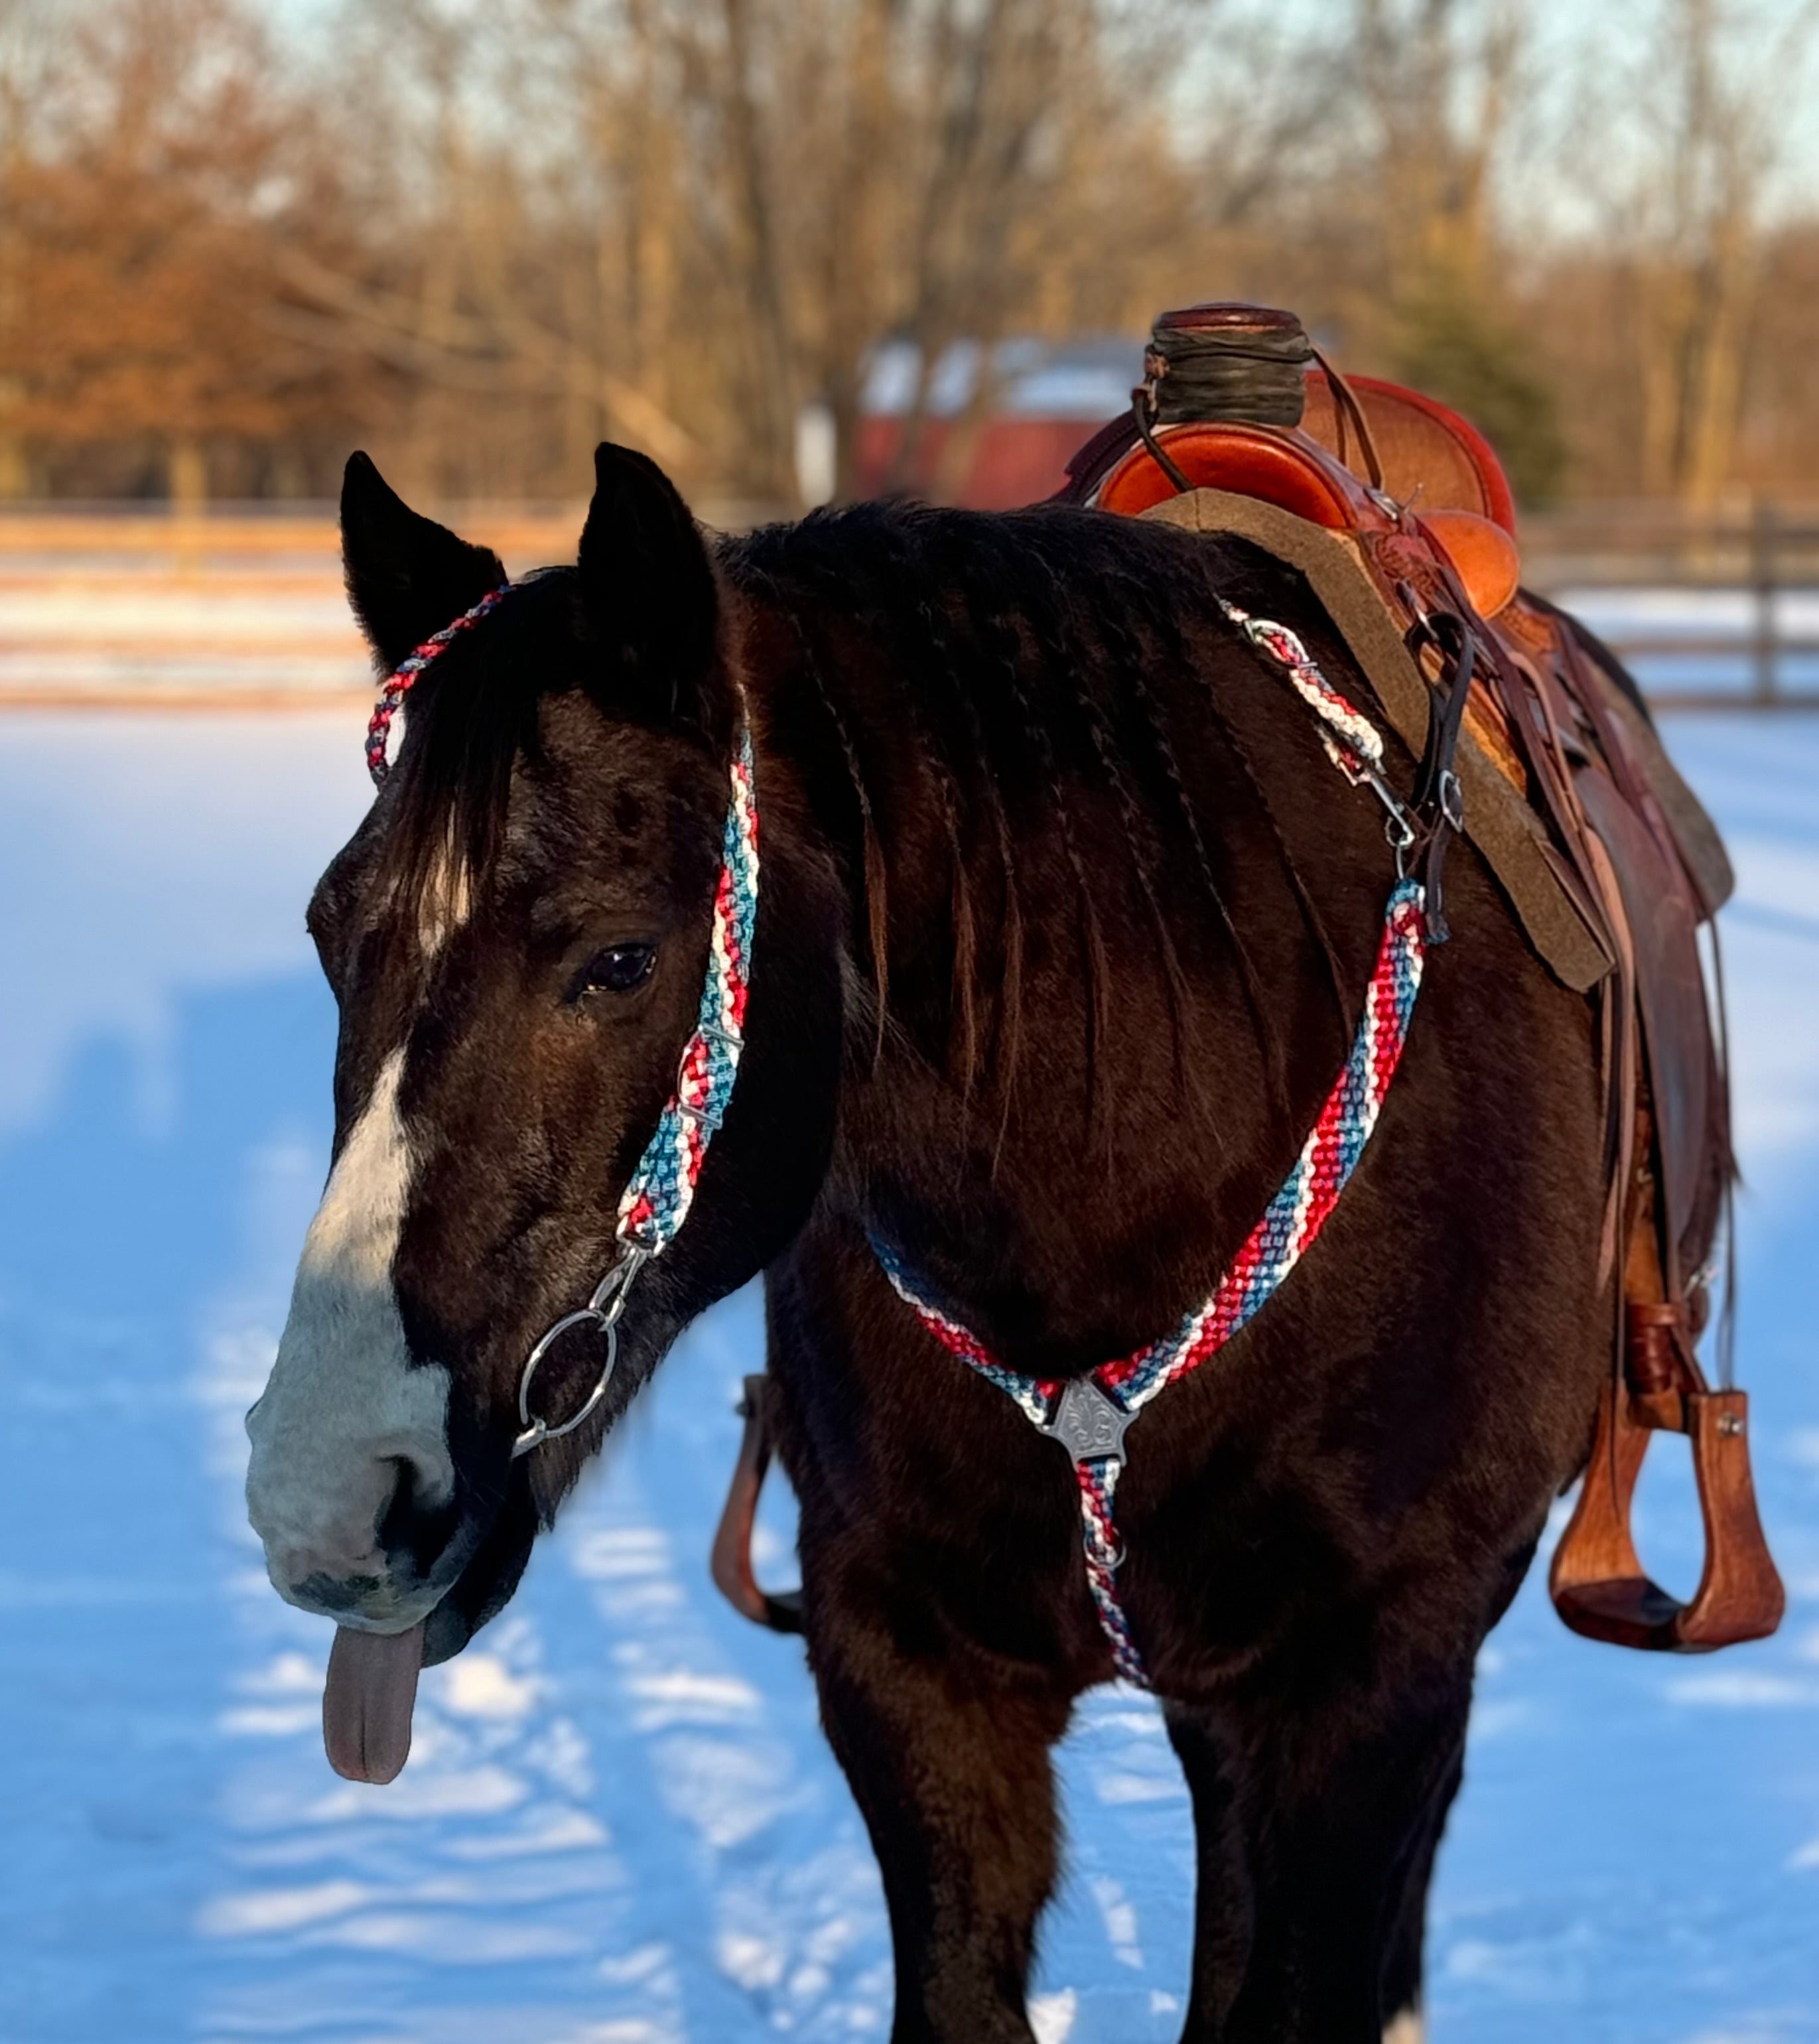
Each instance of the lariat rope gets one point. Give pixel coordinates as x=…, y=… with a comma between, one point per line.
x=1089, y=1415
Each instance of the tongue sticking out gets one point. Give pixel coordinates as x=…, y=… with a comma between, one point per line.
x=366, y=1706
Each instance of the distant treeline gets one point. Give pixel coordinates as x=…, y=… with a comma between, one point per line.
x=476, y=237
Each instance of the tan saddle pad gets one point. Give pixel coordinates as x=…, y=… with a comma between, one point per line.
x=1499, y=820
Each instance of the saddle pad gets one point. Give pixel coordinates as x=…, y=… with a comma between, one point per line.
x=1498, y=820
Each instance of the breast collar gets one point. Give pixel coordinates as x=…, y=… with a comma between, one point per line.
x=1090, y=1415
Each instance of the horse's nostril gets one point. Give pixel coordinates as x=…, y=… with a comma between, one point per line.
x=414, y=1522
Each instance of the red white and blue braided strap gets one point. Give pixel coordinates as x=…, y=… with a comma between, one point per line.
x=656, y=1201
x=1295, y=1216
x=662, y=1189
x=404, y=677
x=1352, y=741
x=1288, y=1229
x=1090, y=1414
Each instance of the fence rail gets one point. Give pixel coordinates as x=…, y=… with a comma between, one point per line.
x=105, y=605
x=1761, y=556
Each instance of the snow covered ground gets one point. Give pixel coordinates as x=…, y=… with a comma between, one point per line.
x=1673, y=621
x=620, y=1825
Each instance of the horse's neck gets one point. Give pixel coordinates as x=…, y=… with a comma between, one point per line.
x=1072, y=1170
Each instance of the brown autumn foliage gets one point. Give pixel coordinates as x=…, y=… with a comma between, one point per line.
x=478, y=239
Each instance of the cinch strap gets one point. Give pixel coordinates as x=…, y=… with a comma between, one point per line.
x=1089, y=1415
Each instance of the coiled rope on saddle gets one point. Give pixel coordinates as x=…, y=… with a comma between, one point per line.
x=1227, y=362
x=1089, y=1415
x=1239, y=364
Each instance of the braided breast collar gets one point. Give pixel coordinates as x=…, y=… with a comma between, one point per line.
x=1089, y=1415
x=661, y=1187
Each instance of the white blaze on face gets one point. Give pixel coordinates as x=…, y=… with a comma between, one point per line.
x=347, y=1413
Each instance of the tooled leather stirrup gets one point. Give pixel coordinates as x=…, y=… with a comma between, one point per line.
x=1599, y=1586
x=730, y=1564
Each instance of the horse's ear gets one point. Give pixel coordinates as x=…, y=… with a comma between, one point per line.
x=649, y=586
x=407, y=576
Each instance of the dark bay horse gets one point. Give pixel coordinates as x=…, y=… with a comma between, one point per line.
x=1065, y=927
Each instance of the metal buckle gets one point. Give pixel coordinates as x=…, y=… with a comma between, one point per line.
x=602, y=1310
x=1398, y=824
x=1452, y=800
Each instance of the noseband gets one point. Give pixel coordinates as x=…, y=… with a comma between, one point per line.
x=661, y=1187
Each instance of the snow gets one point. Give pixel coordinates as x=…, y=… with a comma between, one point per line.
x=1682, y=627
x=621, y=1824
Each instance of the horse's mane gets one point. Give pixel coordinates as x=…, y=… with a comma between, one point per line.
x=1002, y=655
x=1013, y=651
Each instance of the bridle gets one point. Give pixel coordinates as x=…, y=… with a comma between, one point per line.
x=661, y=1187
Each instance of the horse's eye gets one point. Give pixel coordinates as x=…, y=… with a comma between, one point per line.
x=618, y=969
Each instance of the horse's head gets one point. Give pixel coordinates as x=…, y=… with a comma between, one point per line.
x=518, y=937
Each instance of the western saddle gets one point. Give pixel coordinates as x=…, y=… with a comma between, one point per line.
x=1400, y=517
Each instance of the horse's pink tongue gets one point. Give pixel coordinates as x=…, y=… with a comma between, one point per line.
x=367, y=1705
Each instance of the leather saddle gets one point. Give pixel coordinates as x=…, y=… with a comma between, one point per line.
x=1608, y=860
x=1428, y=530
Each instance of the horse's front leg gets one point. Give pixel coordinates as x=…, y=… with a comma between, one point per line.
x=1343, y=1802
x=948, y=1754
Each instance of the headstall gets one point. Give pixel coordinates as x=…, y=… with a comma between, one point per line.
x=661, y=1187
x=1090, y=1414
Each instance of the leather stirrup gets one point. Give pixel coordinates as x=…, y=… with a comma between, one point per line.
x=731, y=1564
x=1598, y=1584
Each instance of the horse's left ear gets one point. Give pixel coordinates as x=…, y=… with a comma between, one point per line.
x=649, y=586
x=407, y=576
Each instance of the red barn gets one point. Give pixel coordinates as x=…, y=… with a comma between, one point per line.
x=1045, y=398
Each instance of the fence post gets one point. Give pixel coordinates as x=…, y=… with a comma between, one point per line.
x=1763, y=568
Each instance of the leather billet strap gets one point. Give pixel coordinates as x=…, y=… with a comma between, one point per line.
x=1439, y=800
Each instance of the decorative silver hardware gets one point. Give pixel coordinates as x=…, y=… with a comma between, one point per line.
x=1090, y=1426
x=601, y=1312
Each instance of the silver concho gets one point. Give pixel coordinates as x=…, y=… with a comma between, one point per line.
x=1090, y=1426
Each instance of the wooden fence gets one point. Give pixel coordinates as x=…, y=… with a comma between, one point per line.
x=1763, y=555
x=107, y=605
